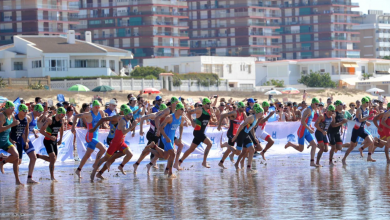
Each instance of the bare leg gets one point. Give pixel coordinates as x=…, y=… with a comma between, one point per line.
x=370, y=143
x=170, y=163
x=16, y=171
x=319, y=154
x=53, y=159
x=149, y=165
x=33, y=159
x=295, y=146
x=102, y=151
x=144, y=153
x=83, y=161
x=206, y=152
x=331, y=153
x=313, y=153
x=127, y=158
x=250, y=158
x=178, y=153
x=268, y=146
x=187, y=153
x=225, y=155
x=351, y=147
x=242, y=156
x=101, y=161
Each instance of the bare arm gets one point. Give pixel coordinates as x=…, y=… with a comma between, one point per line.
x=61, y=133
x=303, y=120
x=384, y=118
x=101, y=121
x=181, y=129
x=2, y=121
x=242, y=126
x=266, y=118
x=44, y=126
x=146, y=117
x=376, y=119
x=213, y=117
x=223, y=116
x=167, y=120
x=26, y=130
x=81, y=116
x=317, y=124
x=358, y=113
x=157, y=118
x=197, y=111
x=215, y=102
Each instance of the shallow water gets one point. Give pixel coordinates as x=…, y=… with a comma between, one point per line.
x=283, y=187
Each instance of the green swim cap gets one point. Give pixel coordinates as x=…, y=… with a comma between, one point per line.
x=124, y=106
x=174, y=99
x=22, y=107
x=241, y=105
x=9, y=104
x=61, y=110
x=315, y=101
x=388, y=105
x=127, y=111
x=163, y=107
x=38, y=108
x=206, y=101
x=179, y=106
x=365, y=100
x=95, y=103
x=265, y=104
x=257, y=108
x=331, y=107
x=369, y=99
x=337, y=103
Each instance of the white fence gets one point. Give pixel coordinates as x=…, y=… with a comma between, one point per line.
x=117, y=84
x=139, y=84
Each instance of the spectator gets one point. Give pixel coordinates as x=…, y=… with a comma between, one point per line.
x=385, y=100
x=373, y=111
x=111, y=110
x=38, y=100
x=270, y=96
x=69, y=118
x=157, y=104
x=22, y=101
x=296, y=112
x=250, y=104
x=65, y=104
x=357, y=104
x=351, y=113
x=84, y=108
x=380, y=107
x=129, y=96
x=328, y=102
x=141, y=107
x=304, y=95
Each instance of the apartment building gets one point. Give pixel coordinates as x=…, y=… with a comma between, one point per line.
x=36, y=17
x=235, y=28
x=319, y=29
x=147, y=28
x=374, y=34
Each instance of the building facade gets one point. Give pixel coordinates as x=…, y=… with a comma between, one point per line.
x=319, y=29
x=57, y=56
x=374, y=34
x=239, y=71
x=344, y=71
x=234, y=28
x=147, y=28
x=36, y=17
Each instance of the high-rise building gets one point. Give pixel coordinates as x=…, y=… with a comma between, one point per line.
x=374, y=34
x=319, y=29
x=148, y=28
x=235, y=28
x=36, y=17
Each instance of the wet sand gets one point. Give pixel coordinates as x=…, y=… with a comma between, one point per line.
x=283, y=187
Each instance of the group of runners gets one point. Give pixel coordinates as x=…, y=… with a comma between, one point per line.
x=246, y=125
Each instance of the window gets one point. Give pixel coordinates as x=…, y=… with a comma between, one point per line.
x=166, y=68
x=363, y=69
x=229, y=67
x=103, y=63
x=304, y=70
x=249, y=69
x=96, y=22
x=86, y=63
x=176, y=68
x=207, y=68
x=322, y=70
x=18, y=65
x=1, y=66
x=36, y=64
x=112, y=65
x=56, y=64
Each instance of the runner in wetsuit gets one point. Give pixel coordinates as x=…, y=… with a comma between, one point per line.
x=263, y=134
x=322, y=124
x=118, y=143
x=7, y=121
x=168, y=129
x=113, y=126
x=242, y=136
x=50, y=130
x=156, y=108
x=362, y=114
x=334, y=133
x=305, y=131
x=203, y=116
x=92, y=118
x=151, y=137
x=163, y=114
x=236, y=118
x=20, y=133
x=386, y=131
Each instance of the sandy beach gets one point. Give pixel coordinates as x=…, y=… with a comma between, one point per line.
x=345, y=95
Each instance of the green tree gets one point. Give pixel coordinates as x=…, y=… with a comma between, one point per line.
x=386, y=57
x=2, y=83
x=317, y=79
x=273, y=82
x=143, y=72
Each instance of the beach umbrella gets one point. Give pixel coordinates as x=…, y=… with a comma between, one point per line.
x=290, y=90
x=103, y=89
x=273, y=92
x=375, y=90
x=78, y=88
x=151, y=90
x=3, y=99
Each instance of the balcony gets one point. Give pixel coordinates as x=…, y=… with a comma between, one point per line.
x=4, y=42
x=202, y=7
x=35, y=18
x=9, y=30
x=124, y=14
x=162, y=23
x=336, y=2
x=48, y=29
x=41, y=6
x=178, y=3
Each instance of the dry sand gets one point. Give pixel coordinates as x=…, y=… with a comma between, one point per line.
x=345, y=95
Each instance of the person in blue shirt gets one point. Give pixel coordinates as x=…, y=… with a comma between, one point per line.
x=156, y=107
x=111, y=110
x=248, y=109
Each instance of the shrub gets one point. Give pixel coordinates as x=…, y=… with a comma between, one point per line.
x=36, y=86
x=273, y=82
x=143, y=72
x=317, y=79
x=2, y=83
x=199, y=78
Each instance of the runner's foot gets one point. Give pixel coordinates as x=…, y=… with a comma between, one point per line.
x=176, y=166
x=172, y=176
x=331, y=163
x=148, y=166
x=361, y=152
x=313, y=164
x=135, y=166
x=99, y=175
x=236, y=166
x=54, y=179
x=231, y=156
x=318, y=165
x=18, y=183
x=221, y=165
x=262, y=154
x=31, y=181
x=369, y=159
x=121, y=169
x=108, y=164
x=77, y=172
x=344, y=162
x=289, y=144
x=205, y=165
x=166, y=172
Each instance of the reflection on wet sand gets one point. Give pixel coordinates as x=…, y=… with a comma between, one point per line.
x=284, y=188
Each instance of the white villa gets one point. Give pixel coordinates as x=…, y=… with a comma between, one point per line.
x=57, y=56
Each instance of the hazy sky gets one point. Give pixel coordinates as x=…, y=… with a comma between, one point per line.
x=365, y=5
